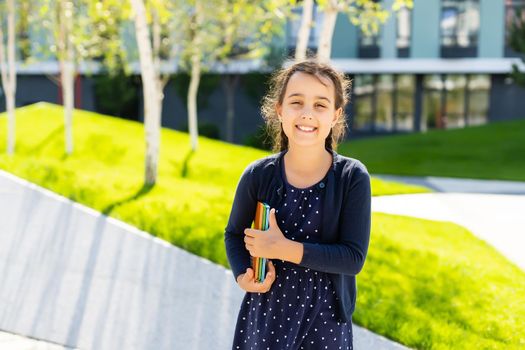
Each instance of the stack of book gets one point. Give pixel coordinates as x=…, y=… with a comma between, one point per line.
x=260, y=222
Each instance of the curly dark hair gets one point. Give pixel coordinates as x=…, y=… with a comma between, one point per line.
x=275, y=96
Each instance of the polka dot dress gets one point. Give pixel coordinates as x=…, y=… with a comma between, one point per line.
x=300, y=311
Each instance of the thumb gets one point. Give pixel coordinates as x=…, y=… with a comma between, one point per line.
x=273, y=219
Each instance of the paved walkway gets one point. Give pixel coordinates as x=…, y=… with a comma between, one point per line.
x=10, y=341
x=449, y=184
x=496, y=218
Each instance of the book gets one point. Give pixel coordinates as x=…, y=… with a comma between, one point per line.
x=260, y=222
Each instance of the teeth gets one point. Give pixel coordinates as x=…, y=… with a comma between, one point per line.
x=306, y=128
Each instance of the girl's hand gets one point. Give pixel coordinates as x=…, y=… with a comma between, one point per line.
x=266, y=244
x=247, y=281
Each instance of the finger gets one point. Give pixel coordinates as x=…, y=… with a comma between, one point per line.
x=261, y=287
x=273, y=219
x=250, y=232
x=271, y=270
x=249, y=248
x=270, y=276
x=249, y=240
x=271, y=267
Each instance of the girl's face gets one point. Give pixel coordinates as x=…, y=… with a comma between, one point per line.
x=308, y=110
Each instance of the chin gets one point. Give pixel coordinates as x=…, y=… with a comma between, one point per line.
x=307, y=143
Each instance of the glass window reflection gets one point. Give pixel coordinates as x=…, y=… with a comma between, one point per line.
x=459, y=23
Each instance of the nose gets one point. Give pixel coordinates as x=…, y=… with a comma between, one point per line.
x=307, y=115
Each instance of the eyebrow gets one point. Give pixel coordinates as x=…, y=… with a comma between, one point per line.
x=317, y=97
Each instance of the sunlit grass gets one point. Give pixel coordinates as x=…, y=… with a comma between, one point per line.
x=492, y=151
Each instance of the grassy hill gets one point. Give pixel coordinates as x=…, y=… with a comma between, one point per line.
x=429, y=285
x=492, y=151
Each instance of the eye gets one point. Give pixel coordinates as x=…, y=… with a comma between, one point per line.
x=296, y=103
x=320, y=105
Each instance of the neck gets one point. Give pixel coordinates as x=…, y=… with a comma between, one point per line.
x=301, y=160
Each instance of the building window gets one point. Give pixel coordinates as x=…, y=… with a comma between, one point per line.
x=455, y=116
x=294, y=24
x=513, y=10
x=404, y=102
x=455, y=101
x=432, y=116
x=459, y=28
x=403, y=31
x=369, y=45
x=383, y=103
x=478, y=99
x=364, y=96
x=384, y=120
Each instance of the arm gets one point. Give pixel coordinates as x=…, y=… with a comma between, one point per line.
x=348, y=255
x=241, y=217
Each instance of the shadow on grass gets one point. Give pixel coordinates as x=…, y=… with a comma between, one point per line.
x=145, y=189
x=45, y=141
x=186, y=162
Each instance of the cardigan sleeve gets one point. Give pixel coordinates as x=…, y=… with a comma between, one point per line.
x=241, y=217
x=347, y=256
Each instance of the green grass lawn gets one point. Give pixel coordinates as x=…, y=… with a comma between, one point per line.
x=426, y=284
x=433, y=285
x=492, y=151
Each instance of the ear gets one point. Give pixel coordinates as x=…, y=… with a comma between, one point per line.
x=338, y=113
x=278, y=108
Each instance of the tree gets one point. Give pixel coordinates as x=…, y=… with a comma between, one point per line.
x=247, y=29
x=142, y=32
x=200, y=38
x=164, y=17
x=304, y=30
x=517, y=43
x=152, y=112
x=367, y=14
x=9, y=70
x=72, y=42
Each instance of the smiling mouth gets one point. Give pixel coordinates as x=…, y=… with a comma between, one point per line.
x=307, y=129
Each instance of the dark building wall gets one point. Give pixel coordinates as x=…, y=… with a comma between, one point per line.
x=247, y=117
x=37, y=88
x=507, y=100
x=32, y=89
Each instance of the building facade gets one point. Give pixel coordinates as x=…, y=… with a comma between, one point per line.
x=442, y=64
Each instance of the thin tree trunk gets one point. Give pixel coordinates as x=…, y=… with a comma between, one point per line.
x=304, y=31
x=324, y=50
x=67, y=65
x=192, y=99
x=68, y=92
x=230, y=82
x=9, y=78
x=195, y=79
x=151, y=95
x=160, y=81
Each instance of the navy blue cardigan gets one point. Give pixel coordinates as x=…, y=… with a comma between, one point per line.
x=345, y=227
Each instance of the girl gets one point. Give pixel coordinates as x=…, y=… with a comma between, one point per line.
x=319, y=221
